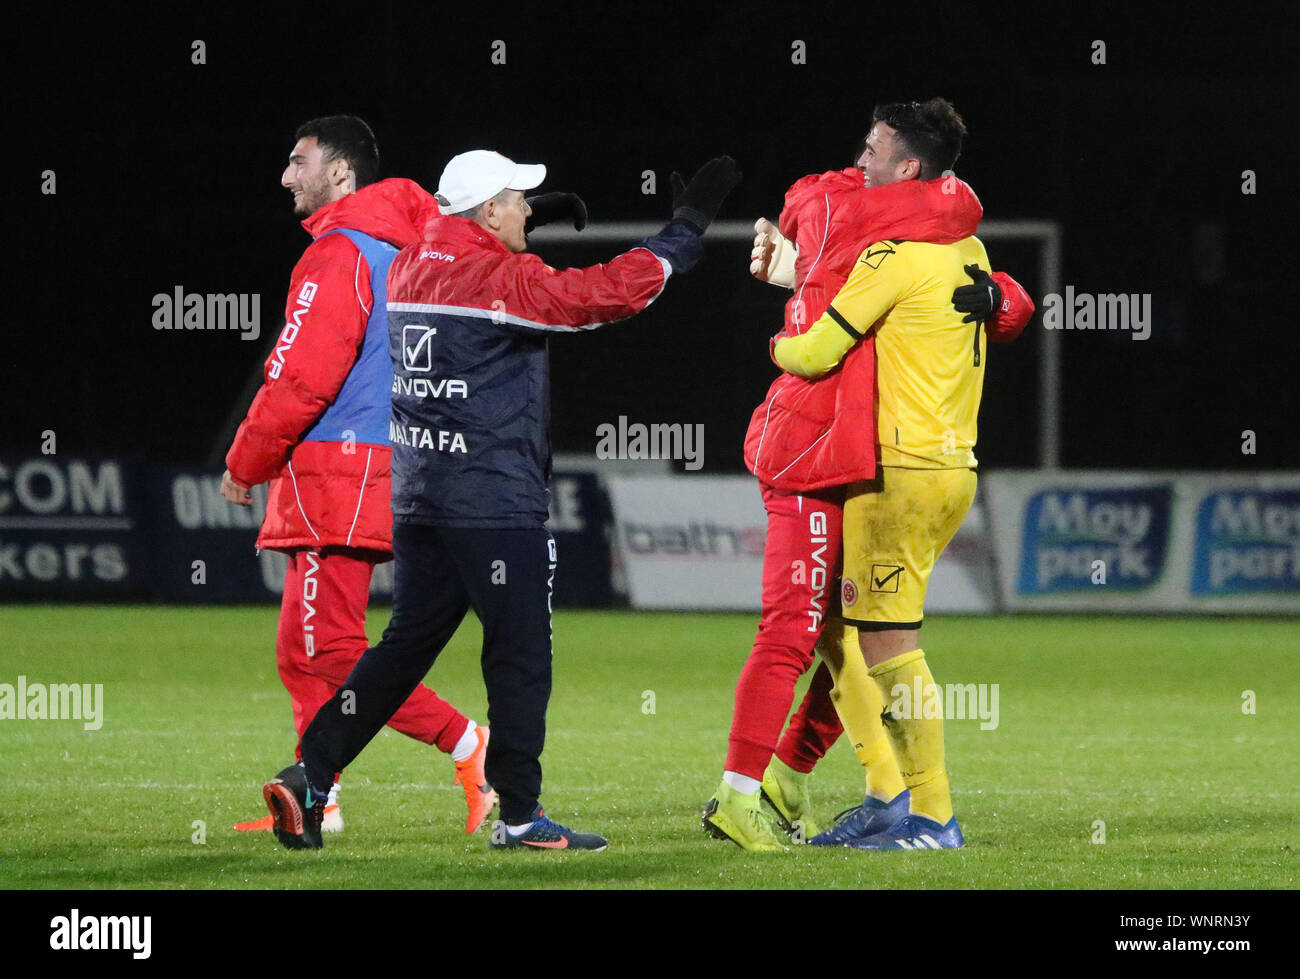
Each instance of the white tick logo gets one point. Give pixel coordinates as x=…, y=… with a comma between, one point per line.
x=418, y=355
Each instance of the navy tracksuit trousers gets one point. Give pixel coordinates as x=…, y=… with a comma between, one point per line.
x=505, y=576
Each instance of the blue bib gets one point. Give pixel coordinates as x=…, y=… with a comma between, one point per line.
x=360, y=412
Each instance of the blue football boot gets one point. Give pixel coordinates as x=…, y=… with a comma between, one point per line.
x=914, y=832
x=865, y=821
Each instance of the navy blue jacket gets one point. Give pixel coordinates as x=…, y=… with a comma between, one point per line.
x=468, y=325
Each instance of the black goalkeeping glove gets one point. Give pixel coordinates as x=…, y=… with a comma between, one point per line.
x=554, y=207
x=979, y=300
x=697, y=203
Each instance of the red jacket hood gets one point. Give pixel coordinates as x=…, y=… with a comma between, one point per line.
x=905, y=210
x=394, y=210
x=815, y=184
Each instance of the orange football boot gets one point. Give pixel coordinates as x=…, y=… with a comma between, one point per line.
x=479, y=796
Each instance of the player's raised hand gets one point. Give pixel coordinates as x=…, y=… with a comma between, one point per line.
x=697, y=202
x=773, y=255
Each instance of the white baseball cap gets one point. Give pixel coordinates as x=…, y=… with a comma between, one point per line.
x=471, y=178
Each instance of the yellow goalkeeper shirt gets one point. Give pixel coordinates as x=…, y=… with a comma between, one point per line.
x=929, y=364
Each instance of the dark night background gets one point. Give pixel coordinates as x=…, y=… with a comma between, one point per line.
x=168, y=174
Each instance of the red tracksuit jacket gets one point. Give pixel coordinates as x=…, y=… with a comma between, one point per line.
x=319, y=495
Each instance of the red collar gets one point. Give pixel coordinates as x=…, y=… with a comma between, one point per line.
x=462, y=231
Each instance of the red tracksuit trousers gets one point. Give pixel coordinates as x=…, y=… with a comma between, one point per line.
x=322, y=634
x=800, y=562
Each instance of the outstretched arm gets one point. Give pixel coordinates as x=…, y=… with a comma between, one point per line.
x=575, y=299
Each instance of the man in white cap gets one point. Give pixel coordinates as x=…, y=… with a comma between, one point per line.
x=486, y=187
x=469, y=314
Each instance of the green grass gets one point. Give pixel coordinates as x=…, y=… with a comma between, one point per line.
x=1133, y=721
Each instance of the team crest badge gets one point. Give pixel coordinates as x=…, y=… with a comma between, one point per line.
x=848, y=592
x=872, y=257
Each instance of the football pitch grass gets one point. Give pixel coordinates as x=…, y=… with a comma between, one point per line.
x=1126, y=729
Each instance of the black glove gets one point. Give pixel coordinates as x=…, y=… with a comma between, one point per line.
x=980, y=300
x=697, y=203
x=552, y=207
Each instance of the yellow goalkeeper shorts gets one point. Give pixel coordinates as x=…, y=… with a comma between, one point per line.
x=895, y=528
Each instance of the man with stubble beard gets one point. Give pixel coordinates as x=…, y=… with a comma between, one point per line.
x=317, y=431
